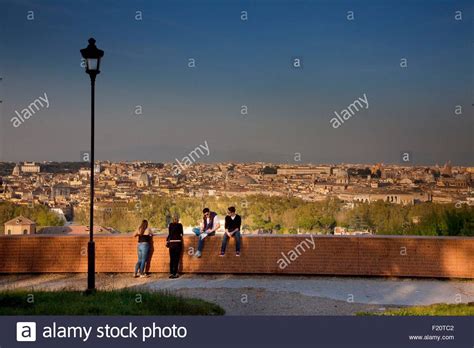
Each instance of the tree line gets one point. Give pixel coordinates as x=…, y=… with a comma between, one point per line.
x=293, y=215
x=38, y=213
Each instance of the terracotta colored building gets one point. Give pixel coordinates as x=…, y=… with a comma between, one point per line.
x=20, y=225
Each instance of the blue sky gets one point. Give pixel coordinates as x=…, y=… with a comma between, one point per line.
x=240, y=63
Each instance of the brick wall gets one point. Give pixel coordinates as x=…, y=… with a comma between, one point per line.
x=449, y=257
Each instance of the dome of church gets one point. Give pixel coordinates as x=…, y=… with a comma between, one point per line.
x=16, y=170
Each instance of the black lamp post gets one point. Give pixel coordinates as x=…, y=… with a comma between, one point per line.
x=92, y=55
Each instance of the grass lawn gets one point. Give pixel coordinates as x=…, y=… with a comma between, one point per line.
x=460, y=309
x=120, y=302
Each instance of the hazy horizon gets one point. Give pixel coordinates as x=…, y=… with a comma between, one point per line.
x=253, y=162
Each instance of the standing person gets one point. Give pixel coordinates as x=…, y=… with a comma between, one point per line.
x=175, y=244
x=144, y=235
x=232, y=229
x=210, y=224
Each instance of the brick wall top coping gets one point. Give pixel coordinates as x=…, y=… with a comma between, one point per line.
x=162, y=235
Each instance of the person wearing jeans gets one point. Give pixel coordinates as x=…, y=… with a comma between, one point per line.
x=210, y=224
x=232, y=229
x=144, y=235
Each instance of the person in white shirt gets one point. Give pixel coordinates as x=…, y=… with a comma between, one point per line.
x=209, y=225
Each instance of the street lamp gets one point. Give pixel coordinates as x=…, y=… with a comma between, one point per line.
x=92, y=55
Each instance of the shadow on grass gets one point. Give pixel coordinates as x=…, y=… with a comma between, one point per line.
x=122, y=302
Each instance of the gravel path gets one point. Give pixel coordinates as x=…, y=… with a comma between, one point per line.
x=271, y=295
x=252, y=301
x=394, y=291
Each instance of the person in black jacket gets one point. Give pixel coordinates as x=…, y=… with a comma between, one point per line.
x=232, y=229
x=175, y=244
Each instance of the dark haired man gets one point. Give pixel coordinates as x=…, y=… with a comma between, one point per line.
x=210, y=224
x=232, y=229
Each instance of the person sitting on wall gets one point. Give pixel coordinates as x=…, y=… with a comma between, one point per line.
x=209, y=225
x=232, y=229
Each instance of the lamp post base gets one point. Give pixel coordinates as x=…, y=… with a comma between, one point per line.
x=91, y=267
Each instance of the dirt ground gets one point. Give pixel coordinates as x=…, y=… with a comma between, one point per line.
x=266, y=295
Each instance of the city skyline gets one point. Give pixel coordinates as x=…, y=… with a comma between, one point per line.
x=290, y=163
x=64, y=188
x=241, y=63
